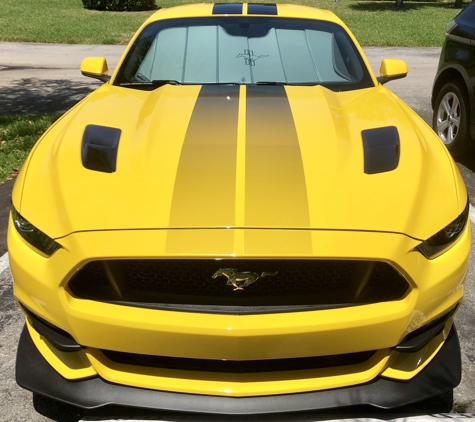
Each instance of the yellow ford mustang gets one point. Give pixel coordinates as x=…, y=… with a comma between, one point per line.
x=242, y=219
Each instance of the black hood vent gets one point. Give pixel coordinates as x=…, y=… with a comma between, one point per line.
x=99, y=148
x=381, y=149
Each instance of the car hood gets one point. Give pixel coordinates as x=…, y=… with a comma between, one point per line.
x=269, y=157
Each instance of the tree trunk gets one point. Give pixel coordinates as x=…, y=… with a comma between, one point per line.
x=458, y=4
x=400, y=3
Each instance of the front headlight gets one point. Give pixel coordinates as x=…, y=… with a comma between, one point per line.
x=443, y=240
x=32, y=235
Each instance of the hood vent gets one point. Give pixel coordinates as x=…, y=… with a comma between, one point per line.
x=381, y=149
x=99, y=148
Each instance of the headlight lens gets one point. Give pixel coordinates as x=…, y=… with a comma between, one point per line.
x=441, y=241
x=32, y=235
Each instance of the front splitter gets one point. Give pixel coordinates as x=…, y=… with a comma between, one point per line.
x=442, y=374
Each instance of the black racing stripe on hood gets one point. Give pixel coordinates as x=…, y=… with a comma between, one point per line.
x=381, y=149
x=276, y=191
x=227, y=9
x=261, y=9
x=205, y=185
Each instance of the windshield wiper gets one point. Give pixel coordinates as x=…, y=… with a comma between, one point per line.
x=155, y=83
x=287, y=83
x=270, y=83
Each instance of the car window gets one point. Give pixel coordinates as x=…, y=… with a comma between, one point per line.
x=245, y=51
x=466, y=18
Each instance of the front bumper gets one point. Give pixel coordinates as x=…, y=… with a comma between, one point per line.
x=443, y=373
x=41, y=286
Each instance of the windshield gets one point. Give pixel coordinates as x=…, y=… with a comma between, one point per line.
x=244, y=50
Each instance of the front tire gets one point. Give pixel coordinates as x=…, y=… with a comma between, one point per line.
x=451, y=116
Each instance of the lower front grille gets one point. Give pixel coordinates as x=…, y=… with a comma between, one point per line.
x=238, y=367
x=238, y=286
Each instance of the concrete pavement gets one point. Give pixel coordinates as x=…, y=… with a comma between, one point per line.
x=46, y=78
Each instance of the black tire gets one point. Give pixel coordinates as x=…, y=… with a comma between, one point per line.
x=451, y=116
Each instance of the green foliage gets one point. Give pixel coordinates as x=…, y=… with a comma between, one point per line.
x=119, y=5
x=374, y=22
x=18, y=134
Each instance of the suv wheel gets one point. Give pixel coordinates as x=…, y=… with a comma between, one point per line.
x=450, y=118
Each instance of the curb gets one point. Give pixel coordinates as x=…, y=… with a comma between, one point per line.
x=445, y=417
x=4, y=264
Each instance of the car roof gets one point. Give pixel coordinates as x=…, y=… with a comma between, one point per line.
x=255, y=9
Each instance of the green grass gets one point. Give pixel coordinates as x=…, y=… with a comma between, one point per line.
x=18, y=134
x=65, y=21
x=374, y=23
x=421, y=23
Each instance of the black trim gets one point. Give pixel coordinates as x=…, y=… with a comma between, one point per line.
x=56, y=336
x=231, y=310
x=239, y=366
x=227, y=9
x=103, y=78
x=382, y=79
x=419, y=338
x=381, y=149
x=442, y=374
x=261, y=9
x=99, y=148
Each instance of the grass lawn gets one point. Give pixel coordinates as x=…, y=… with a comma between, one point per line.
x=18, y=134
x=421, y=23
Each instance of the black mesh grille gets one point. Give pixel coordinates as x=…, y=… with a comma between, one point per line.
x=242, y=367
x=277, y=285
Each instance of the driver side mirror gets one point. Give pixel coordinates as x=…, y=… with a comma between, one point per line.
x=392, y=69
x=95, y=67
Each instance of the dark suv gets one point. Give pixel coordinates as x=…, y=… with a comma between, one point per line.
x=453, y=96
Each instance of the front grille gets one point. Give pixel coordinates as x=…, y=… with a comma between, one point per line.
x=239, y=367
x=278, y=285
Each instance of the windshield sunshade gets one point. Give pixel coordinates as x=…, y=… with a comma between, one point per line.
x=244, y=51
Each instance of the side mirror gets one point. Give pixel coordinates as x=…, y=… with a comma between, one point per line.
x=95, y=67
x=392, y=69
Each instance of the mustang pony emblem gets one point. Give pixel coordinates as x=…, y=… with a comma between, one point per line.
x=249, y=57
x=240, y=279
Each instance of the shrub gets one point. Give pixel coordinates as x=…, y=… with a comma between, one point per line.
x=119, y=5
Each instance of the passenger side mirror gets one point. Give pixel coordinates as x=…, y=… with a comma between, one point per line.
x=392, y=69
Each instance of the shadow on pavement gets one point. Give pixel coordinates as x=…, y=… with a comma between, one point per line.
x=467, y=157
x=32, y=95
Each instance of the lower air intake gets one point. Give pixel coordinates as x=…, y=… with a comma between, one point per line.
x=239, y=367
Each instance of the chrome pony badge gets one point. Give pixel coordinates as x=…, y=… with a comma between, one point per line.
x=240, y=279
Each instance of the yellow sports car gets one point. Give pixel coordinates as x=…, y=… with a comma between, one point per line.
x=241, y=220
